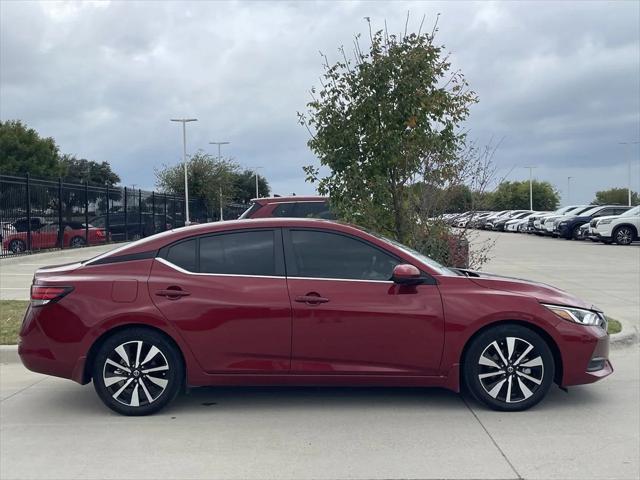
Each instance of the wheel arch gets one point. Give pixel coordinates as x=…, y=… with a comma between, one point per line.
x=553, y=346
x=91, y=354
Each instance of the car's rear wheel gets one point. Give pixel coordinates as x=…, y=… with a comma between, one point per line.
x=137, y=371
x=77, y=242
x=624, y=235
x=509, y=368
x=17, y=246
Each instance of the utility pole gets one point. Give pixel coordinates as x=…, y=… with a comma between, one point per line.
x=569, y=190
x=219, y=144
x=184, y=122
x=530, y=186
x=628, y=171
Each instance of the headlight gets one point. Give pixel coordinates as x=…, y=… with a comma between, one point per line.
x=604, y=221
x=577, y=315
x=563, y=223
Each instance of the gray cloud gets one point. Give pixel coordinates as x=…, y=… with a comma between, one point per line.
x=560, y=82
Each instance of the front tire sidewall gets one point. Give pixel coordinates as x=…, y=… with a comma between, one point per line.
x=630, y=236
x=175, y=375
x=17, y=246
x=471, y=367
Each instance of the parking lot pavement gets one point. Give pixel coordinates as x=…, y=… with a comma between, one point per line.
x=16, y=273
x=608, y=276
x=52, y=428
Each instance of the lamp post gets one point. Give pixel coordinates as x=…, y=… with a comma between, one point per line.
x=628, y=171
x=569, y=190
x=184, y=122
x=255, y=171
x=219, y=144
x=530, y=186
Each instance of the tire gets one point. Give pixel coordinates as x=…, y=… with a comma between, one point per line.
x=624, y=235
x=530, y=376
x=137, y=392
x=575, y=233
x=77, y=242
x=17, y=246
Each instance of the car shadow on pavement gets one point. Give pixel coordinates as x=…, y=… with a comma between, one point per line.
x=73, y=400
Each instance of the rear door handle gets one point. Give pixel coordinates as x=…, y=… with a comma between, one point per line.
x=311, y=299
x=172, y=294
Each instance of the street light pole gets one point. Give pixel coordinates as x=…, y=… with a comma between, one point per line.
x=628, y=171
x=184, y=159
x=569, y=190
x=219, y=144
x=530, y=186
x=255, y=171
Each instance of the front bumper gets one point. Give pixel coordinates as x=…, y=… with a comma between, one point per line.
x=585, y=354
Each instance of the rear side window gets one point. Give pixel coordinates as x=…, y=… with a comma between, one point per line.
x=313, y=210
x=241, y=253
x=329, y=255
x=284, y=210
x=183, y=255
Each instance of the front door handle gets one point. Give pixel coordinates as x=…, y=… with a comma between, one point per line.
x=172, y=293
x=311, y=299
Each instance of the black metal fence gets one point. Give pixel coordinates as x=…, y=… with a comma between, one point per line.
x=37, y=214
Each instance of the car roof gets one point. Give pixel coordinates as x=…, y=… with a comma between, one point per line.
x=290, y=198
x=159, y=240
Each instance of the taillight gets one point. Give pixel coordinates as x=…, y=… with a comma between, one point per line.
x=99, y=233
x=43, y=294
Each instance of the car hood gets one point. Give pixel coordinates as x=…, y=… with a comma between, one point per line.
x=540, y=291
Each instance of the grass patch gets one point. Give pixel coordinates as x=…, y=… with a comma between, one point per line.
x=11, y=314
x=614, y=326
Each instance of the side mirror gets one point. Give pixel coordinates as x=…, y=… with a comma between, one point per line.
x=405, y=274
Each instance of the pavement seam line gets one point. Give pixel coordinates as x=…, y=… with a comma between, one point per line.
x=519, y=477
x=22, y=390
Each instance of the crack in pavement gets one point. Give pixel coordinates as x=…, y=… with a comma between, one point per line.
x=504, y=455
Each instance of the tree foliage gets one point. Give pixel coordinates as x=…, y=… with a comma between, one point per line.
x=386, y=119
x=245, y=186
x=23, y=151
x=616, y=196
x=80, y=170
x=515, y=195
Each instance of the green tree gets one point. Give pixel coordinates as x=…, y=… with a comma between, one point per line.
x=80, y=170
x=515, y=195
x=210, y=179
x=615, y=196
x=245, y=186
x=383, y=121
x=23, y=151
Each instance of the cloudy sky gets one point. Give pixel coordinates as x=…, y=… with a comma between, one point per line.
x=558, y=82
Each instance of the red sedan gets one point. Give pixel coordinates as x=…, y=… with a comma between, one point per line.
x=301, y=302
x=73, y=235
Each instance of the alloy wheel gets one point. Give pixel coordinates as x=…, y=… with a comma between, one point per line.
x=624, y=236
x=510, y=369
x=135, y=373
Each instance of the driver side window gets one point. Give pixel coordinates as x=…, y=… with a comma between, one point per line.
x=319, y=254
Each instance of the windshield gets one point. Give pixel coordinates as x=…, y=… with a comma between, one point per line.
x=590, y=211
x=631, y=213
x=415, y=254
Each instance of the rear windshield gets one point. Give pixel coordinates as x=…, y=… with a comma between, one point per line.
x=248, y=213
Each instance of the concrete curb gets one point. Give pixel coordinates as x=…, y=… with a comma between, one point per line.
x=9, y=353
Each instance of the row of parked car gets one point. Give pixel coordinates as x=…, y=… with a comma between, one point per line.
x=599, y=223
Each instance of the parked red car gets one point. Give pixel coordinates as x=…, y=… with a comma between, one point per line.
x=301, y=302
x=46, y=236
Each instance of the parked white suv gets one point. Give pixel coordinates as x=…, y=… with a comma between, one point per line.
x=622, y=229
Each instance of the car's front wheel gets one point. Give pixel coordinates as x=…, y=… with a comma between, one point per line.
x=137, y=371
x=508, y=367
